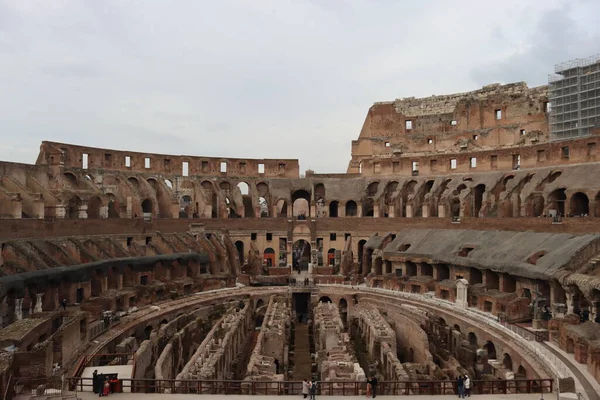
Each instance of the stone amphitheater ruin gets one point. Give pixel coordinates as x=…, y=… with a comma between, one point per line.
x=461, y=240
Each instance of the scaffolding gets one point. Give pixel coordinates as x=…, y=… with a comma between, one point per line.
x=574, y=96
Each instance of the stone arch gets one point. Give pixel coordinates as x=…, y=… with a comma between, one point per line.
x=368, y=207
x=361, y=245
x=73, y=206
x=260, y=303
x=570, y=346
x=325, y=299
x=301, y=253
x=478, y=199
x=352, y=208
x=507, y=361
x=282, y=208
x=333, y=209
x=472, y=338
x=113, y=206
x=239, y=245
x=556, y=201
x=94, y=207
x=225, y=186
x=455, y=207
x=269, y=257
x=71, y=178
x=163, y=198
x=490, y=348
x=133, y=181
x=319, y=192
x=147, y=206
x=206, y=185
x=169, y=183
x=186, y=207
x=331, y=257
x=343, y=305
x=301, y=204
x=372, y=188
x=147, y=332
x=580, y=204
x=244, y=188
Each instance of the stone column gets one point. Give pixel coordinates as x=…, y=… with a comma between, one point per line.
x=376, y=211
x=38, y=302
x=409, y=211
x=569, y=302
x=441, y=211
x=289, y=258
x=391, y=211
x=82, y=212
x=462, y=287
x=18, y=309
x=425, y=211
x=130, y=207
x=359, y=210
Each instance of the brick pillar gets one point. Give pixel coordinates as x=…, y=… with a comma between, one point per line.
x=376, y=211
x=409, y=211
x=391, y=211
x=359, y=210
x=441, y=211
x=425, y=211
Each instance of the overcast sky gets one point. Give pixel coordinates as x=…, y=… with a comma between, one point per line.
x=259, y=78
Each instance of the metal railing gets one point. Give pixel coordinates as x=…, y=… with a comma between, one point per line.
x=330, y=388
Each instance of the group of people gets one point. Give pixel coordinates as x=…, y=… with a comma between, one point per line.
x=309, y=388
x=463, y=385
x=100, y=384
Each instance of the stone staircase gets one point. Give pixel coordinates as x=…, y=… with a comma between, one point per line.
x=302, y=359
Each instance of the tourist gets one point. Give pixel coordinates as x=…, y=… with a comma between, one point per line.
x=467, y=386
x=313, y=389
x=305, y=387
x=460, y=387
x=369, y=388
x=64, y=304
x=95, y=381
x=374, y=385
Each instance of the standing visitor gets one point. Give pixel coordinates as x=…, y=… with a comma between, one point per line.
x=305, y=387
x=374, y=385
x=460, y=387
x=467, y=386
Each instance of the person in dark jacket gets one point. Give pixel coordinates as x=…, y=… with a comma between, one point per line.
x=460, y=387
x=95, y=381
x=374, y=386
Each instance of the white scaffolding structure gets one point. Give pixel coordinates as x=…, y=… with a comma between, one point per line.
x=575, y=97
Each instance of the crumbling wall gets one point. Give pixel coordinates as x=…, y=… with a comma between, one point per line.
x=271, y=343
x=332, y=344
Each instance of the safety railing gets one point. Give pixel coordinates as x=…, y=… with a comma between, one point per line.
x=330, y=388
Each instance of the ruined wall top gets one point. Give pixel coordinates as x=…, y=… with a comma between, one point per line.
x=70, y=155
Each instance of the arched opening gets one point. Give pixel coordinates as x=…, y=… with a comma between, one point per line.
x=73, y=206
x=113, y=207
x=352, y=208
x=455, y=208
x=490, y=348
x=325, y=299
x=269, y=257
x=260, y=303
x=361, y=245
x=537, y=204
x=372, y=189
x=507, y=361
x=248, y=207
x=147, y=207
x=94, y=206
x=169, y=184
x=368, y=207
x=282, y=208
x=411, y=268
x=301, y=204
x=147, y=332
x=225, y=186
x=333, y=209
x=472, y=339
x=186, y=209
x=556, y=201
x=319, y=192
x=239, y=245
x=456, y=327
x=264, y=207
x=72, y=179
x=570, y=346
x=331, y=257
x=232, y=213
x=214, y=206
x=244, y=188
x=163, y=198
x=301, y=255
x=343, y=305
x=478, y=199
x=580, y=204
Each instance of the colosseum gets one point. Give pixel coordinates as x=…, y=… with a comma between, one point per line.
x=464, y=239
